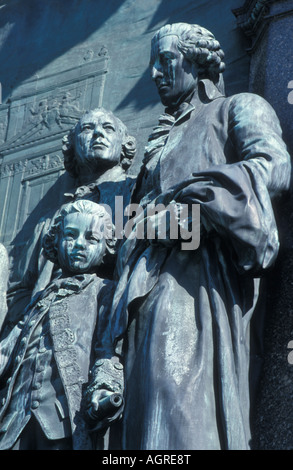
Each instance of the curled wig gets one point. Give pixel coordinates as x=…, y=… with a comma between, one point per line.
x=198, y=45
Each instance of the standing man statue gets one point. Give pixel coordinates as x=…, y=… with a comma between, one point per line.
x=184, y=316
x=97, y=152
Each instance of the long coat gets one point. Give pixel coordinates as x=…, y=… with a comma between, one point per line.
x=184, y=316
x=77, y=309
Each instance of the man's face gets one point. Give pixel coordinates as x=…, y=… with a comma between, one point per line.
x=98, y=140
x=174, y=76
x=81, y=245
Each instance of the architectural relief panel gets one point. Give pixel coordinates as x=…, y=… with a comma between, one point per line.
x=32, y=124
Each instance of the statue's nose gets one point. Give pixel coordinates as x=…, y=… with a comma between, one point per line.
x=98, y=131
x=156, y=72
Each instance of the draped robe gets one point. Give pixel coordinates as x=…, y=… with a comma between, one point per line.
x=182, y=318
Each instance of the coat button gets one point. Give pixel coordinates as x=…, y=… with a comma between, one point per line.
x=35, y=404
x=118, y=366
x=37, y=386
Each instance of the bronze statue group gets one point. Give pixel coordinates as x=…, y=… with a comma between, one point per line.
x=136, y=344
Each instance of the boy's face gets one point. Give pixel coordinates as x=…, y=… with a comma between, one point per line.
x=81, y=245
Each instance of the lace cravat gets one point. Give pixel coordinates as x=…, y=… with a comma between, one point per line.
x=145, y=182
x=158, y=137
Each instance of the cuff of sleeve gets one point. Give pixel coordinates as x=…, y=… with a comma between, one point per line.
x=107, y=374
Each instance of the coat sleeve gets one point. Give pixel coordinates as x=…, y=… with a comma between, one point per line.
x=32, y=273
x=235, y=199
x=7, y=346
x=107, y=370
x=256, y=135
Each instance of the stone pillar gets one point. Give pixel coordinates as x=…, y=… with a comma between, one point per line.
x=269, y=26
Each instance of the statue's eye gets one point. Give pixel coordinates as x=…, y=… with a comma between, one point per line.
x=93, y=237
x=109, y=127
x=69, y=234
x=86, y=127
x=166, y=57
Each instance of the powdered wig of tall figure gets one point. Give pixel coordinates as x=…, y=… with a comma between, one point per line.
x=198, y=45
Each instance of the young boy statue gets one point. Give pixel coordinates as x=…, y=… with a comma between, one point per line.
x=63, y=342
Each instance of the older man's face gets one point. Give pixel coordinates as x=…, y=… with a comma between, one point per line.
x=175, y=77
x=98, y=140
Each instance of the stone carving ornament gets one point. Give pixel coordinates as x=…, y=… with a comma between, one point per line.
x=184, y=316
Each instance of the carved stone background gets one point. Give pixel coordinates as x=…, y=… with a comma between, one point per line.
x=37, y=115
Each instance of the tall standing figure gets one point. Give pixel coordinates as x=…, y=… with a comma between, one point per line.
x=184, y=315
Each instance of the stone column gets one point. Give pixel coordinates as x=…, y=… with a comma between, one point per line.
x=269, y=26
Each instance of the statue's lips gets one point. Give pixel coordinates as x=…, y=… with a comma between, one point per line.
x=163, y=87
x=99, y=145
x=78, y=256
